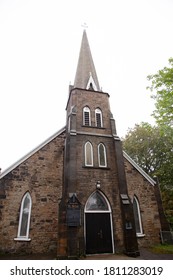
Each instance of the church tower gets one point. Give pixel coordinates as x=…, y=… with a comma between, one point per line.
x=95, y=213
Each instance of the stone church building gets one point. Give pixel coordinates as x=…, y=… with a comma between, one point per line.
x=78, y=193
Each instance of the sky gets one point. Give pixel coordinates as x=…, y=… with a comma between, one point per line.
x=39, y=47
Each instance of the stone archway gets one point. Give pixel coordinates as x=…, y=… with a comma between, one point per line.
x=98, y=225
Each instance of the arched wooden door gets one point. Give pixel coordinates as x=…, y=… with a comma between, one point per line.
x=98, y=225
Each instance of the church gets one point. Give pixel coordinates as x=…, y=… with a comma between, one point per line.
x=78, y=193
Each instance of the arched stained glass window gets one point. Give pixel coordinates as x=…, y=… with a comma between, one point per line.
x=97, y=202
x=137, y=216
x=86, y=116
x=88, y=154
x=102, y=155
x=25, y=214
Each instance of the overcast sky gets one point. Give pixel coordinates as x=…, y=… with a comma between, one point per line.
x=39, y=48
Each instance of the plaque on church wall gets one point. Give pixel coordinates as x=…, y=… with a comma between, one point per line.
x=73, y=212
x=73, y=217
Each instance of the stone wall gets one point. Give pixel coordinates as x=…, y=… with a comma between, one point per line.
x=42, y=176
x=107, y=177
x=82, y=179
x=144, y=191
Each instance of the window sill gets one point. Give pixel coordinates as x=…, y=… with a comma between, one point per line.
x=92, y=126
x=96, y=167
x=22, y=239
x=140, y=235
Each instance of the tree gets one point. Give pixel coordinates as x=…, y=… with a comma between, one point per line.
x=162, y=91
x=150, y=149
x=162, y=88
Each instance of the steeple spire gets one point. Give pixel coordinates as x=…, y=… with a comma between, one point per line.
x=86, y=76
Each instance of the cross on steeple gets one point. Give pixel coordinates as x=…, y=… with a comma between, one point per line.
x=84, y=25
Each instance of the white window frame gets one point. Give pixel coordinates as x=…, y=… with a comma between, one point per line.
x=105, y=157
x=138, y=234
x=19, y=237
x=99, y=112
x=91, y=151
x=100, y=211
x=86, y=109
x=91, y=81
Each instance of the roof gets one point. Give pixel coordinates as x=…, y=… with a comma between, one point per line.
x=9, y=169
x=126, y=156
x=86, y=73
x=144, y=174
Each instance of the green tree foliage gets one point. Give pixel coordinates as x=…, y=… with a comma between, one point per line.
x=162, y=89
x=162, y=92
x=150, y=149
x=137, y=143
x=167, y=199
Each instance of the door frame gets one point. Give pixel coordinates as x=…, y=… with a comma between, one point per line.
x=100, y=212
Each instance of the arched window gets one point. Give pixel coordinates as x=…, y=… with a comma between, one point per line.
x=88, y=154
x=24, y=219
x=98, y=118
x=102, y=155
x=97, y=202
x=86, y=116
x=137, y=216
x=98, y=224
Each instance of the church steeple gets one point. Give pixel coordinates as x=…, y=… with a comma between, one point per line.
x=86, y=76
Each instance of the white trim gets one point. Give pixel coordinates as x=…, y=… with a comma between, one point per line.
x=91, y=81
x=9, y=169
x=22, y=239
x=91, y=150
x=144, y=174
x=86, y=109
x=100, y=212
x=104, y=151
x=101, y=119
x=21, y=215
x=135, y=199
x=139, y=235
x=113, y=248
x=73, y=132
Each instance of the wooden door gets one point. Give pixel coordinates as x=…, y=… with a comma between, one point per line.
x=98, y=233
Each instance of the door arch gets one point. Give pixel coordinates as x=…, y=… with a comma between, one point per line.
x=98, y=225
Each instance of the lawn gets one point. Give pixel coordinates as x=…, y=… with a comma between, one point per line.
x=162, y=249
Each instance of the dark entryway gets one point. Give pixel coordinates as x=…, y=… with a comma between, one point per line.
x=98, y=233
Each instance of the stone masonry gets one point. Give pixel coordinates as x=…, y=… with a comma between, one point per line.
x=144, y=191
x=56, y=176
x=41, y=175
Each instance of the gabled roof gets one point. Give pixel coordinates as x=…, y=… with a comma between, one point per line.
x=144, y=174
x=85, y=67
x=9, y=169
x=126, y=156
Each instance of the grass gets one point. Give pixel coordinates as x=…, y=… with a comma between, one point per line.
x=162, y=249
